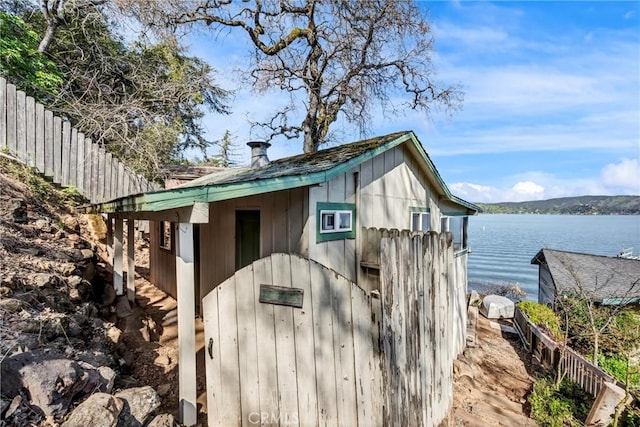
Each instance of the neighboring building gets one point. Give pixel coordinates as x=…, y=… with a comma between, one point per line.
x=608, y=280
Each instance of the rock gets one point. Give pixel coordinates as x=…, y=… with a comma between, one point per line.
x=15, y=403
x=497, y=307
x=474, y=298
x=71, y=222
x=66, y=269
x=18, y=209
x=74, y=281
x=5, y=292
x=114, y=334
x=41, y=280
x=162, y=420
x=140, y=402
x=99, y=410
x=88, y=270
x=164, y=389
x=123, y=307
x=43, y=225
x=11, y=305
x=108, y=295
x=108, y=378
x=11, y=281
x=51, y=380
x=31, y=251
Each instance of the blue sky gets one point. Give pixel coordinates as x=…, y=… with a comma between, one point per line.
x=552, y=98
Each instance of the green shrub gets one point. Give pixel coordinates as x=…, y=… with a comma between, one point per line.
x=541, y=315
x=616, y=365
x=556, y=406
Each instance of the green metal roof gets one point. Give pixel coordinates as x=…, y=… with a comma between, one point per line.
x=290, y=172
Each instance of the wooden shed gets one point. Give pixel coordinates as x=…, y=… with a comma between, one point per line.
x=220, y=230
x=608, y=280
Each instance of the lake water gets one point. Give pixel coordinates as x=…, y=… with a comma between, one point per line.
x=502, y=246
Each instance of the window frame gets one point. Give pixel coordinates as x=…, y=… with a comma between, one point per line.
x=463, y=245
x=327, y=208
x=336, y=214
x=422, y=212
x=162, y=244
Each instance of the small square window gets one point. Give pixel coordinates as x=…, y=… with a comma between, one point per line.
x=420, y=221
x=335, y=221
x=331, y=225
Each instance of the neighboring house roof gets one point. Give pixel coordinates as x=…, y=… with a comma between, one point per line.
x=600, y=277
x=291, y=172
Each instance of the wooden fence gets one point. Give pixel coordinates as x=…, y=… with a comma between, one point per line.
x=59, y=151
x=554, y=355
x=420, y=336
x=291, y=342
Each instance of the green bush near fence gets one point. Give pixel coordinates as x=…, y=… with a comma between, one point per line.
x=541, y=315
x=559, y=405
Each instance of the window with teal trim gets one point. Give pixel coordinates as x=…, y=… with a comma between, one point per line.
x=335, y=221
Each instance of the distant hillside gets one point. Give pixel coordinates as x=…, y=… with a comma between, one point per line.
x=582, y=205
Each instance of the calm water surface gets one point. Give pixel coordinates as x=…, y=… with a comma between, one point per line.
x=502, y=246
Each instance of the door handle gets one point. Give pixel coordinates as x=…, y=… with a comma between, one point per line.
x=210, y=348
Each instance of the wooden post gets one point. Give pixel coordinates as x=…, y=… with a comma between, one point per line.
x=117, y=259
x=110, y=238
x=131, y=264
x=185, y=280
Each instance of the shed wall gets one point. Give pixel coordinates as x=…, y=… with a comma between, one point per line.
x=282, y=216
x=162, y=262
x=389, y=184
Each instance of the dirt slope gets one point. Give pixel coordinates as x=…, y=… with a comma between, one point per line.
x=492, y=381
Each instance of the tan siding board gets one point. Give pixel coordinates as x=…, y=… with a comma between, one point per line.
x=285, y=340
x=246, y=291
x=213, y=359
x=305, y=345
x=324, y=349
x=230, y=399
x=266, y=342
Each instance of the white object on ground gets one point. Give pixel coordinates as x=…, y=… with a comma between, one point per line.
x=496, y=307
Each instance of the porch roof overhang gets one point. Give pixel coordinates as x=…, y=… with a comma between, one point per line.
x=293, y=172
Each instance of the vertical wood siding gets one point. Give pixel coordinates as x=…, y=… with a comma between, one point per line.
x=346, y=357
x=59, y=151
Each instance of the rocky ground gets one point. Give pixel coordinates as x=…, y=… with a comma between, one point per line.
x=69, y=348
x=74, y=354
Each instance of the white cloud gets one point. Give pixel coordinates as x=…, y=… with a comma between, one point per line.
x=625, y=175
x=616, y=178
x=528, y=189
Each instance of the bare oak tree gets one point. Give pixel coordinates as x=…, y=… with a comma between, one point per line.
x=334, y=58
x=55, y=13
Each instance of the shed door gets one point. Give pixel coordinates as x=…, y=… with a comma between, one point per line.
x=247, y=237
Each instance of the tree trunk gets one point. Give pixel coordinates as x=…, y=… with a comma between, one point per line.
x=596, y=337
x=48, y=37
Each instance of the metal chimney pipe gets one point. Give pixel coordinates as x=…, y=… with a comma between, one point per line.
x=258, y=153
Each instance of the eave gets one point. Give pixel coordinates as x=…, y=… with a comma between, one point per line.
x=180, y=197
